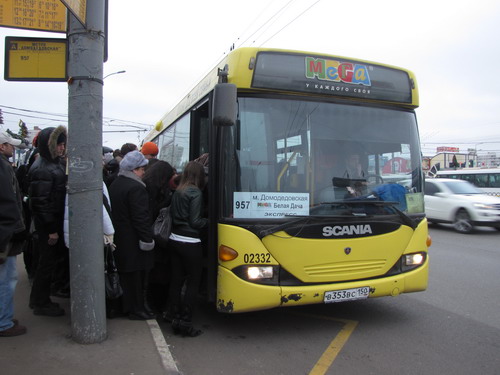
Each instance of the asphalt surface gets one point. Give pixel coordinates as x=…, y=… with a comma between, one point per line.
x=131, y=347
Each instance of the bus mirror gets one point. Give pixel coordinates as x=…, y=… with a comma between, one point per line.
x=224, y=107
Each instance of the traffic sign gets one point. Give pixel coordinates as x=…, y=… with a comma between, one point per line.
x=35, y=59
x=78, y=8
x=44, y=15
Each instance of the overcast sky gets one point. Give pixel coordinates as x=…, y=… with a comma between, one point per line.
x=453, y=47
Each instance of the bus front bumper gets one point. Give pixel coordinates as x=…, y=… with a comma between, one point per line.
x=235, y=295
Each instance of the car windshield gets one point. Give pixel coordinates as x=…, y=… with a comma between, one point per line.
x=293, y=157
x=462, y=187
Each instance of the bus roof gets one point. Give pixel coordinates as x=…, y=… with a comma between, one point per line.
x=307, y=73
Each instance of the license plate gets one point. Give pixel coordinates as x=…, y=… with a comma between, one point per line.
x=346, y=295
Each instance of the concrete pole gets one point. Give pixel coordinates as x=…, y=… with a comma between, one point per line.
x=85, y=102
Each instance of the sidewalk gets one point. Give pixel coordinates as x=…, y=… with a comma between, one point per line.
x=132, y=347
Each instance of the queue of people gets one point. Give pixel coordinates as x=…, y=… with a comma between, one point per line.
x=155, y=278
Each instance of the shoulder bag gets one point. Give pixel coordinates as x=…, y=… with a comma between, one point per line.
x=112, y=280
x=162, y=227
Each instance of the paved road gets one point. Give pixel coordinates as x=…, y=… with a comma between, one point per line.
x=452, y=328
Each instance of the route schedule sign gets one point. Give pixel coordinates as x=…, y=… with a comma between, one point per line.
x=78, y=8
x=35, y=59
x=44, y=15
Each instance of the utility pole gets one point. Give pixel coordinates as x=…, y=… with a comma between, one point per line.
x=85, y=103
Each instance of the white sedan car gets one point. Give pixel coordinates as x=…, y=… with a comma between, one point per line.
x=460, y=203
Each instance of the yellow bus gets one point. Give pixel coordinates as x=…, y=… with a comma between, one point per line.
x=315, y=182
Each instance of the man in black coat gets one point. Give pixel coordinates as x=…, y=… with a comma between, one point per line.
x=11, y=222
x=47, y=192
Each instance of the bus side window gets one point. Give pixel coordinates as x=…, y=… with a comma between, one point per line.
x=494, y=180
x=481, y=180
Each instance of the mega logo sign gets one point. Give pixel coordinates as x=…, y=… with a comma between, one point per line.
x=336, y=71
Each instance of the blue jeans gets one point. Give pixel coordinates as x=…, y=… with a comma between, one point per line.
x=8, y=281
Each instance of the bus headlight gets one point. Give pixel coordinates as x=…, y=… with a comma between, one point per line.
x=411, y=261
x=258, y=273
x=414, y=259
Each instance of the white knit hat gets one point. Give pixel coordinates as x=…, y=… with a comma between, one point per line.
x=133, y=160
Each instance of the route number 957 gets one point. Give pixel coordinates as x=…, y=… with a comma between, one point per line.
x=242, y=205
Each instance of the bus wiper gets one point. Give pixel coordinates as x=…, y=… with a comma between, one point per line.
x=392, y=204
x=404, y=217
x=276, y=228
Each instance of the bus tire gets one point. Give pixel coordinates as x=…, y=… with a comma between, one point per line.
x=463, y=223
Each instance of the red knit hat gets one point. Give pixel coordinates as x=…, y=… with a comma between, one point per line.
x=149, y=148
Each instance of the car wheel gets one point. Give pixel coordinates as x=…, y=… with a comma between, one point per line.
x=463, y=223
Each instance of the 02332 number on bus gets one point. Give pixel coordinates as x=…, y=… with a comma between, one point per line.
x=257, y=258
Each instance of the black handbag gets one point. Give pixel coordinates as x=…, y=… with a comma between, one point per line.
x=162, y=227
x=111, y=278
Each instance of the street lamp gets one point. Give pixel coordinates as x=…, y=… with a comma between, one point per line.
x=110, y=74
x=475, y=152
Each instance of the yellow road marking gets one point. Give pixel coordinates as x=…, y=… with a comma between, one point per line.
x=329, y=355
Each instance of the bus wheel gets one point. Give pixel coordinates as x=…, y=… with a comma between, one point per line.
x=463, y=223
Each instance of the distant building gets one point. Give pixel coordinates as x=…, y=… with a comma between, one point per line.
x=489, y=160
x=451, y=158
x=448, y=160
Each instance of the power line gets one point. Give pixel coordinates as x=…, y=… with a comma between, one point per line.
x=289, y=23
x=62, y=117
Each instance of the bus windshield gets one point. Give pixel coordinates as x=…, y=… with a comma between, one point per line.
x=301, y=158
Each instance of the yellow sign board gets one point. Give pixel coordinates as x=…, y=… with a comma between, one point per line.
x=35, y=59
x=78, y=8
x=44, y=15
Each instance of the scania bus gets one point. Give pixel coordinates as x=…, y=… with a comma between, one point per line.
x=292, y=220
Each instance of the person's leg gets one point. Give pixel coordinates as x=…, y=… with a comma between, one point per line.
x=9, y=327
x=60, y=277
x=8, y=281
x=192, y=259
x=177, y=274
x=40, y=291
x=127, y=283
x=171, y=314
x=134, y=293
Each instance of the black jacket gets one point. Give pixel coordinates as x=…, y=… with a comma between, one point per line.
x=129, y=204
x=11, y=216
x=47, y=179
x=186, y=210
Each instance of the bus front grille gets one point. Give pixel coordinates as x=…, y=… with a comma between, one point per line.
x=345, y=268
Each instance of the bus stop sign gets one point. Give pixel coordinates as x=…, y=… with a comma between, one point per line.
x=43, y=15
x=35, y=59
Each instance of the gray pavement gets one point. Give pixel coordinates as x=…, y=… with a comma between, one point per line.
x=132, y=347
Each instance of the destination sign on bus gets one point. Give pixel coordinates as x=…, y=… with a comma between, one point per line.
x=270, y=205
x=322, y=75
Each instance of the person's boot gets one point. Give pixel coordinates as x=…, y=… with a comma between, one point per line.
x=147, y=308
x=170, y=313
x=186, y=324
x=173, y=314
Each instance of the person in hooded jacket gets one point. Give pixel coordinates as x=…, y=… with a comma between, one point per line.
x=30, y=253
x=133, y=234
x=47, y=191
